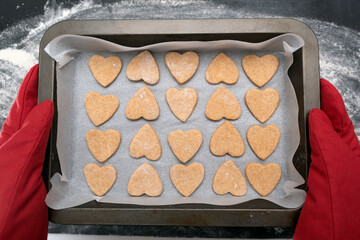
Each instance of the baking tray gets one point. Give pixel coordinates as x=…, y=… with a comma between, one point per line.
x=304, y=75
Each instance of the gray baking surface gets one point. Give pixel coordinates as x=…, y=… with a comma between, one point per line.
x=75, y=80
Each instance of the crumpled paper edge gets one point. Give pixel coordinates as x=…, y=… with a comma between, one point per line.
x=64, y=48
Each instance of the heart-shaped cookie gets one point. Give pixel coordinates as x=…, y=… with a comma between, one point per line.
x=227, y=140
x=100, y=108
x=185, y=144
x=186, y=179
x=260, y=69
x=100, y=179
x=103, y=145
x=105, y=70
x=182, y=66
x=263, y=141
x=145, y=143
x=262, y=104
x=222, y=104
x=182, y=103
x=143, y=67
x=145, y=180
x=142, y=104
x=263, y=178
x=222, y=69
x=229, y=179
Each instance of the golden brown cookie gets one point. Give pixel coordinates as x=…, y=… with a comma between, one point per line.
x=186, y=179
x=143, y=67
x=263, y=178
x=100, y=108
x=100, y=179
x=105, y=70
x=103, y=145
x=222, y=69
x=142, y=104
x=227, y=140
x=145, y=180
x=145, y=144
x=260, y=70
x=263, y=141
x=229, y=179
x=222, y=104
x=185, y=144
x=262, y=104
x=182, y=66
x=182, y=103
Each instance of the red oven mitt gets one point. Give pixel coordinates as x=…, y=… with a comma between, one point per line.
x=332, y=205
x=23, y=140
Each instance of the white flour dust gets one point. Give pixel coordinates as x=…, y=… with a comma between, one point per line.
x=339, y=46
x=18, y=57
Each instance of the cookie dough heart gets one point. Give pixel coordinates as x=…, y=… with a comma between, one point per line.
x=222, y=104
x=100, y=108
x=229, y=179
x=145, y=180
x=260, y=69
x=182, y=66
x=263, y=178
x=103, y=145
x=222, y=69
x=262, y=104
x=263, y=141
x=227, y=140
x=186, y=179
x=100, y=179
x=185, y=144
x=105, y=70
x=142, y=104
x=143, y=67
x=182, y=103
x=145, y=143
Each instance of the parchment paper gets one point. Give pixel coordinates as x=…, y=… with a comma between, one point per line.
x=75, y=80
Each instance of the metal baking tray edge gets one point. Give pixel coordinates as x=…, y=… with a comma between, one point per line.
x=304, y=74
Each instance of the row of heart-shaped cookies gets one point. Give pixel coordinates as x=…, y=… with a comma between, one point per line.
x=182, y=67
x=186, y=179
x=222, y=104
x=225, y=140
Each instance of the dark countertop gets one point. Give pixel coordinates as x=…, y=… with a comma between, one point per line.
x=336, y=24
x=341, y=12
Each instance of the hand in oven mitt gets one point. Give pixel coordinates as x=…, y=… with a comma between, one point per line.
x=23, y=140
x=332, y=205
